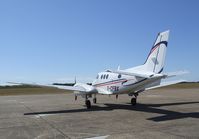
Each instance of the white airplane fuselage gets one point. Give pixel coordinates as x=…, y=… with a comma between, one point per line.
x=114, y=83
x=121, y=84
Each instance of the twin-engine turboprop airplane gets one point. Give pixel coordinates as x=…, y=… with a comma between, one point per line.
x=130, y=81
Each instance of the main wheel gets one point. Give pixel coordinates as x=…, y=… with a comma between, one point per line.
x=133, y=101
x=95, y=100
x=88, y=104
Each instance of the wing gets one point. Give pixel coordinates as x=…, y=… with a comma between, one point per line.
x=165, y=84
x=79, y=88
x=68, y=88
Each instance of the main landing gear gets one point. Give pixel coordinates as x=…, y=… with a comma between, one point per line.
x=88, y=102
x=134, y=100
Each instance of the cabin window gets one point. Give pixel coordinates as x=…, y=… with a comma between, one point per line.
x=104, y=76
x=107, y=76
x=119, y=76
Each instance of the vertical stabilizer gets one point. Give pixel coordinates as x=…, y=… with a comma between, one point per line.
x=156, y=58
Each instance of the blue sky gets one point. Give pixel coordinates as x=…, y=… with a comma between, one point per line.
x=52, y=41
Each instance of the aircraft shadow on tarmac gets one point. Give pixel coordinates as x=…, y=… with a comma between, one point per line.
x=150, y=108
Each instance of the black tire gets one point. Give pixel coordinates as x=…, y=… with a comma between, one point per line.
x=133, y=101
x=88, y=104
x=95, y=100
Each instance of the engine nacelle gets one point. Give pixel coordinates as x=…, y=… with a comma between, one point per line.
x=88, y=89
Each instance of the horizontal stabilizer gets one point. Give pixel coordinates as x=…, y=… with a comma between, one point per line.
x=146, y=75
x=173, y=74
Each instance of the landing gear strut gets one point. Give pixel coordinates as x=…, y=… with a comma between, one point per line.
x=116, y=96
x=134, y=99
x=94, y=100
x=88, y=102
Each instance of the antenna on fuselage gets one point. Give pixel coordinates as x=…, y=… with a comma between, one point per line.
x=73, y=85
x=75, y=80
x=118, y=68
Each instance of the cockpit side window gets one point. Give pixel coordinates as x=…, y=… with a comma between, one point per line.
x=101, y=76
x=97, y=77
x=119, y=76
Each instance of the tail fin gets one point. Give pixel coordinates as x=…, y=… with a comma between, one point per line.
x=156, y=58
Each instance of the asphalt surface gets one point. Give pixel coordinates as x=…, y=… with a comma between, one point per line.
x=169, y=113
